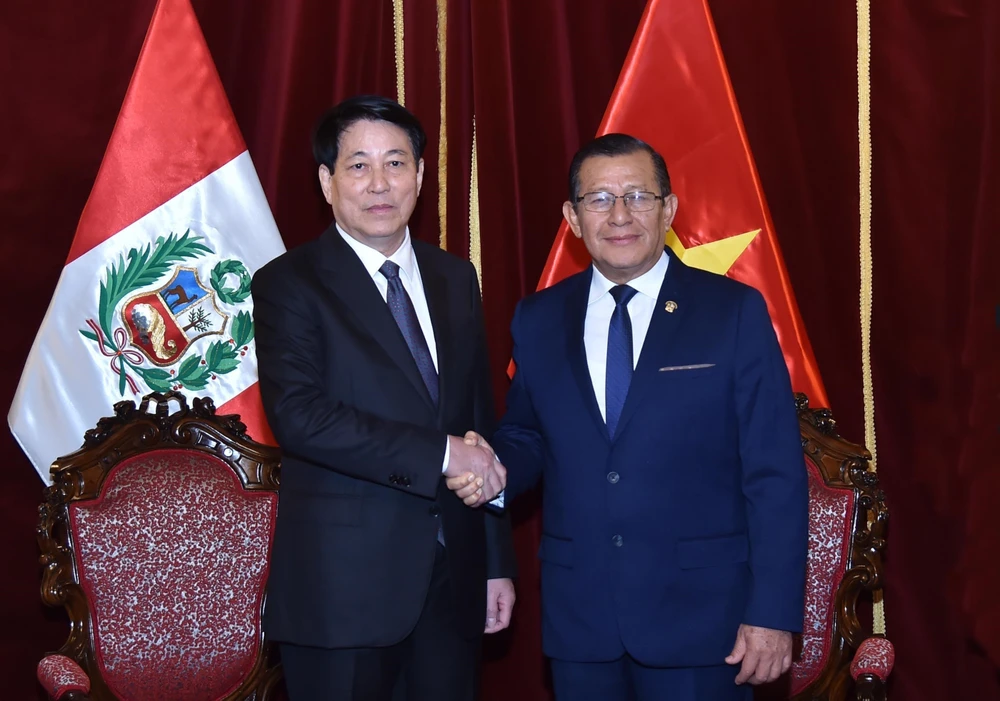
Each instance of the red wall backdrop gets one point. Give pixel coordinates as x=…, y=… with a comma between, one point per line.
x=538, y=76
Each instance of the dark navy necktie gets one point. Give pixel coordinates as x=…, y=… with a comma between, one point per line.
x=406, y=318
x=619, y=370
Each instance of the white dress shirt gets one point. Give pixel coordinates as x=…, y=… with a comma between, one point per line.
x=409, y=274
x=601, y=306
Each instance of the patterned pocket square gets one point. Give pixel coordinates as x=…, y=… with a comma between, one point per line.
x=699, y=366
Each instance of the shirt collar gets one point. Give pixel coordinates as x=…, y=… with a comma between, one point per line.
x=649, y=283
x=373, y=260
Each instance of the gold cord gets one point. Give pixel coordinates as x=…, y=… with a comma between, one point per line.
x=397, y=30
x=475, y=247
x=442, y=49
x=865, y=184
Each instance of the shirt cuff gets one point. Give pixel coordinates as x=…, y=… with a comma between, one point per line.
x=498, y=501
x=447, y=454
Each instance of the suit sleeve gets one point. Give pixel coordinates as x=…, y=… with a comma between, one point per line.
x=518, y=442
x=501, y=561
x=773, y=474
x=315, y=427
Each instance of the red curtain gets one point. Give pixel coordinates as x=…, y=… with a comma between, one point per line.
x=537, y=77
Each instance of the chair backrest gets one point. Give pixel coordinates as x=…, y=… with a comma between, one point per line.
x=156, y=536
x=847, y=520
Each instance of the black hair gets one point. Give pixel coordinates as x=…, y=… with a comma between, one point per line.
x=372, y=108
x=616, y=145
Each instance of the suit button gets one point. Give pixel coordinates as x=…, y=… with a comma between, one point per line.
x=617, y=540
x=434, y=511
x=613, y=477
x=393, y=479
x=405, y=481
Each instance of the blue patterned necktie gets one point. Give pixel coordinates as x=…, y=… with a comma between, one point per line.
x=619, y=370
x=406, y=318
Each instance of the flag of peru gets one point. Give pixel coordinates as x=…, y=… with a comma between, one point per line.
x=155, y=293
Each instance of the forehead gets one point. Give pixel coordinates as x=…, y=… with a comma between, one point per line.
x=629, y=170
x=372, y=138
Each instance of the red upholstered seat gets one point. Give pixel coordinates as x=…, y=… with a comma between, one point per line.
x=156, y=538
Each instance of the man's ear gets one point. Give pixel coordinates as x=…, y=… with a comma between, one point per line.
x=569, y=214
x=326, y=183
x=669, y=211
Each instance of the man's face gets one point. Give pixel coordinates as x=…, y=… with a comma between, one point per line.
x=374, y=184
x=622, y=243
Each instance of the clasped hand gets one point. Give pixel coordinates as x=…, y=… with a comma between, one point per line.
x=474, y=473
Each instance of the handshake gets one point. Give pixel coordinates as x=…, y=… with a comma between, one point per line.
x=474, y=473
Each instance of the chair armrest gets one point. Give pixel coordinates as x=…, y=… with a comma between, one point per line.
x=63, y=679
x=871, y=667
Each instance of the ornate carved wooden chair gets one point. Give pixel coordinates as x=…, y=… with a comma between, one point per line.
x=155, y=537
x=847, y=520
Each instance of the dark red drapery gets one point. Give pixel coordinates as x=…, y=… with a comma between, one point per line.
x=537, y=77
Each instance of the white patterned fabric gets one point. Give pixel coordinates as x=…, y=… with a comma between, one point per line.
x=173, y=558
x=830, y=513
x=59, y=675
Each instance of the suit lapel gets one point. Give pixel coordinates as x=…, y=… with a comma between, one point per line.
x=344, y=274
x=436, y=292
x=662, y=332
x=576, y=351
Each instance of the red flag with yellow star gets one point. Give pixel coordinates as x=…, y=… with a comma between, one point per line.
x=674, y=93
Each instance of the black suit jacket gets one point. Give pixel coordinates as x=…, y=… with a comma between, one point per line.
x=363, y=445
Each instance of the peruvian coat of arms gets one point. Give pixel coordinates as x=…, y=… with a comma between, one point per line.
x=153, y=306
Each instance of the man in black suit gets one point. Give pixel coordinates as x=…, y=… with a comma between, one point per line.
x=372, y=358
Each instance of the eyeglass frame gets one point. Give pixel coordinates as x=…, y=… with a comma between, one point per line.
x=625, y=201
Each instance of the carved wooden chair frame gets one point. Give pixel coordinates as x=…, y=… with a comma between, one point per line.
x=80, y=476
x=846, y=465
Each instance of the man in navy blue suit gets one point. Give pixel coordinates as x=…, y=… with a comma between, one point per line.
x=653, y=402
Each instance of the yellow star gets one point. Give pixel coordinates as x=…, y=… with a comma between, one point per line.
x=714, y=256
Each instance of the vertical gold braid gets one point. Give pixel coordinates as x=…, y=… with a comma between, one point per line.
x=442, y=48
x=865, y=168
x=397, y=30
x=475, y=248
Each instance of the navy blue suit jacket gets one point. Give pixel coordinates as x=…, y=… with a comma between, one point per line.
x=661, y=542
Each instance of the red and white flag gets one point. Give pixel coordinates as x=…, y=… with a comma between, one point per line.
x=155, y=293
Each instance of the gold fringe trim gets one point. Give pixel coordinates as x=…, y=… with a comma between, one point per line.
x=442, y=49
x=475, y=248
x=397, y=30
x=865, y=185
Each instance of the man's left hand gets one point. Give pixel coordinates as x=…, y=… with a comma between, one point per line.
x=766, y=654
x=499, y=604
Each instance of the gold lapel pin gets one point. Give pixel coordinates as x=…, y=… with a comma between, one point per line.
x=670, y=306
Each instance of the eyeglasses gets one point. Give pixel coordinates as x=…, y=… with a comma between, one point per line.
x=605, y=201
